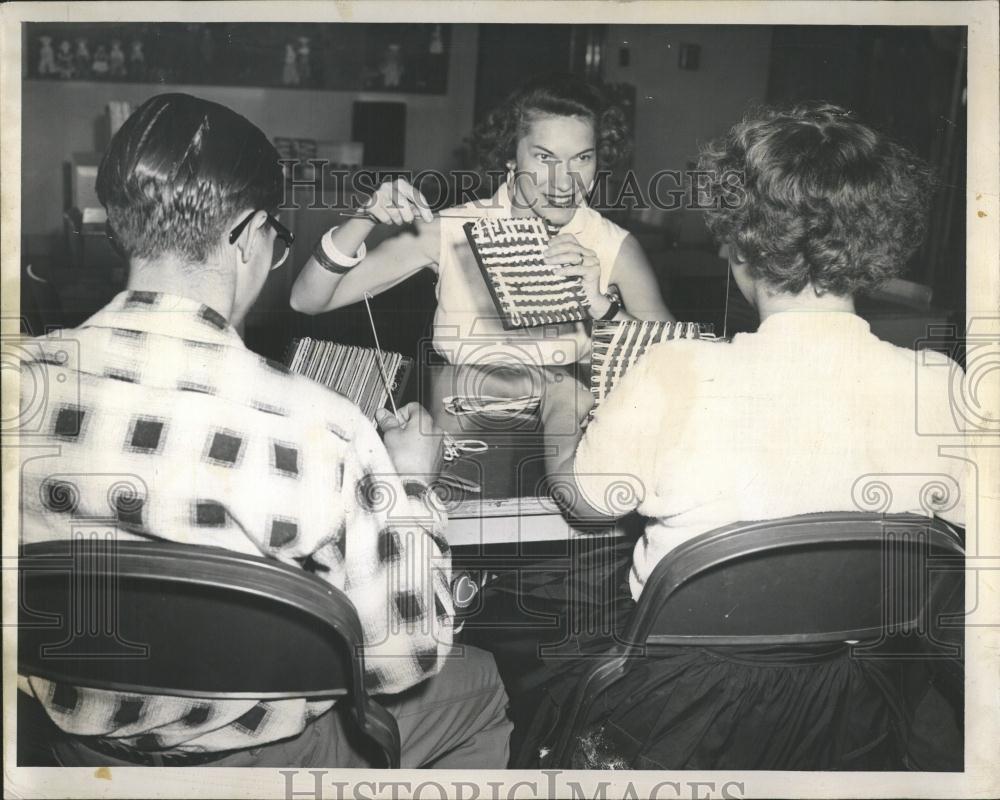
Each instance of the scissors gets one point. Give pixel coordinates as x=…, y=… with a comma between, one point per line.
x=460, y=405
x=458, y=482
x=454, y=448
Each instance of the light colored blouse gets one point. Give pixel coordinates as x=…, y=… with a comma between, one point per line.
x=811, y=413
x=467, y=326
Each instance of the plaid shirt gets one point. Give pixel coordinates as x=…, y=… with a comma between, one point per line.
x=168, y=425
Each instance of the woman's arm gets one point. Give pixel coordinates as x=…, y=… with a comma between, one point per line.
x=565, y=404
x=318, y=288
x=633, y=275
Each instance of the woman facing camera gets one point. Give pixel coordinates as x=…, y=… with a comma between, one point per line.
x=550, y=137
x=792, y=419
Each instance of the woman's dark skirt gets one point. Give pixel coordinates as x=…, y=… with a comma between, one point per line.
x=817, y=708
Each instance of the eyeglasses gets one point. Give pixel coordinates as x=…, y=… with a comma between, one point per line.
x=282, y=241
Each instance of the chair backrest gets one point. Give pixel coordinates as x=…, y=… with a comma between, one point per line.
x=164, y=618
x=808, y=579
x=189, y=621
x=41, y=309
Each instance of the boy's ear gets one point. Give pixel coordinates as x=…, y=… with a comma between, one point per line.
x=246, y=241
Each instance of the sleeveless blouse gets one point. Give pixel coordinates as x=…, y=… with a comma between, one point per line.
x=467, y=326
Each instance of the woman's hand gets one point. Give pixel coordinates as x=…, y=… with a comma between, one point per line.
x=570, y=258
x=398, y=203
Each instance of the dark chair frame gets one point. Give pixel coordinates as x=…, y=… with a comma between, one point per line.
x=160, y=566
x=651, y=627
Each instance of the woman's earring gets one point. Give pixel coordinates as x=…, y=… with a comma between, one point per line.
x=510, y=174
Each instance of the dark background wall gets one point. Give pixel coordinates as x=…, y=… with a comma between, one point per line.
x=909, y=81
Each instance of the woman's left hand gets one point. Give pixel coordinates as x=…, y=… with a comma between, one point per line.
x=568, y=257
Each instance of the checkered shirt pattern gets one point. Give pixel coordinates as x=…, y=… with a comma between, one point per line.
x=166, y=424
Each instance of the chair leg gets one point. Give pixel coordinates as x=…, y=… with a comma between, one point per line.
x=379, y=725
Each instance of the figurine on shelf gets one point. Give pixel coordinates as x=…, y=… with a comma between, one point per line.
x=82, y=57
x=305, y=55
x=290, y=72
x=391, y=67
x=100, y=64
x=137, y=61
x=437, y=41
x=46, y=57
x=117, y=59
x=64, y=59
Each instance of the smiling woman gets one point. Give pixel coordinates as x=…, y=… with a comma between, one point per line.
x=551, y=129
x=551, y=137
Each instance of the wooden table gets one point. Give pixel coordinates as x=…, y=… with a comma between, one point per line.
x=513, y=509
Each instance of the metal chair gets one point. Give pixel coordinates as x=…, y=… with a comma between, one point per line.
x=41, y=308
x=876, y=582
x=191, y=621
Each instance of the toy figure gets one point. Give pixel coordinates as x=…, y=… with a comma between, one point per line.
x=305, y=69
x=46, y=57
x=437, y=41
x=137, y=60
x=391, y=66
x=82, y=57
x=290, y=73
x=117, y=59
x=100, y=65
x=64, y=59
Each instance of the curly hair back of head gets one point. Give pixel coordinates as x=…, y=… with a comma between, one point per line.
x=823, y=200
x=495, y=139
x=178, y=170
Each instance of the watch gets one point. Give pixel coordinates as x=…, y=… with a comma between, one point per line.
x=614, y=296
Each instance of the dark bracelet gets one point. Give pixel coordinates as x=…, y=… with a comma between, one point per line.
x=614, y=296
x=326, y=262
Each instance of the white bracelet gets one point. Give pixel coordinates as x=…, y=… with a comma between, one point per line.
x=337, y=257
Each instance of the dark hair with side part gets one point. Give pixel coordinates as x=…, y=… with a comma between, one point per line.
x=825, y=200
x=495, y=139
x=177, y=172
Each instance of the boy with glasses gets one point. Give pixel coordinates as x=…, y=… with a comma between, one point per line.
x=227, y=449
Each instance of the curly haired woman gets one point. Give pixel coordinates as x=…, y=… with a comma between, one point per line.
x=551, y=137
x=789, y=420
